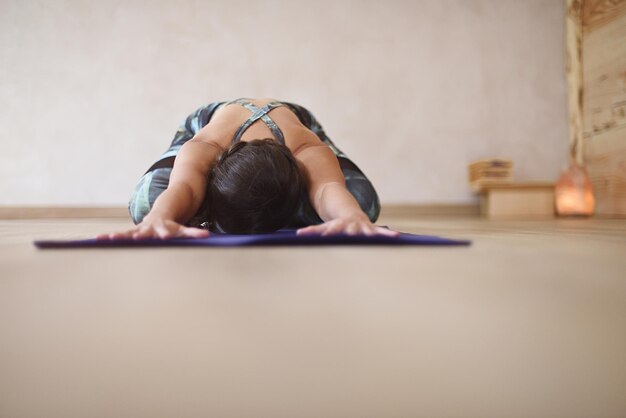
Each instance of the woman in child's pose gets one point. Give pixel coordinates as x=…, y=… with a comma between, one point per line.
x=218, y=175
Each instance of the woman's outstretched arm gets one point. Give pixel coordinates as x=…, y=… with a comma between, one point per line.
x=182, y=198
x=330, y=198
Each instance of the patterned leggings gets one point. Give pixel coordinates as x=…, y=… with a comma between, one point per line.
x=156, y=179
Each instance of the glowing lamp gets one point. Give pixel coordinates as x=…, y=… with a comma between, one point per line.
x=574, y=192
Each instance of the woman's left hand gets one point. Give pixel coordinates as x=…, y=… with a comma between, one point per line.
x=353, y=225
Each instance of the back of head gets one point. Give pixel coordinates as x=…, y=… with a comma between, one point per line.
x=254, y=187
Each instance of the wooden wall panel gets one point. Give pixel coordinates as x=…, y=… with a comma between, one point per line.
x=597, y=13
x=574, y=76
x=604, y=101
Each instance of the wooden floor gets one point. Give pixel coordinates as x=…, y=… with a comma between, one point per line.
x=530, y=321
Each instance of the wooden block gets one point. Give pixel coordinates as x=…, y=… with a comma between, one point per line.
x=479, y=185
x=489, y=171
x=494, y=173
x=491, y=163
x=518, y=200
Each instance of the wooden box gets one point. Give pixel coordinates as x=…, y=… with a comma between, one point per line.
x=518, y=200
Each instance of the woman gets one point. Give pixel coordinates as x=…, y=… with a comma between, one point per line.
x=217, y=174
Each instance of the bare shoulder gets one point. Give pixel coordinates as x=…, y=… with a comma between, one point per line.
x=300, y=138
x=198, y=154
x=319, y=164
x=201, y=145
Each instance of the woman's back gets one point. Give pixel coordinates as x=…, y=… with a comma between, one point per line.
x=231, y=116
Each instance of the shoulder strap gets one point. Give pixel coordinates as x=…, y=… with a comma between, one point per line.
x=259, y=113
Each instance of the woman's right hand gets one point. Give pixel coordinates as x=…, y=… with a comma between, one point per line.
x=157, y=228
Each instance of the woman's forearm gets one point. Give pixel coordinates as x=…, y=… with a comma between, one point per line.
x=175, y=204
x=341, y=214
x=333, y=201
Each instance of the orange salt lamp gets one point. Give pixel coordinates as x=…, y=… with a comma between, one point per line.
x=574, y=192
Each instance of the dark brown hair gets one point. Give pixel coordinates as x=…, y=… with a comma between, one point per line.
x=254, y=187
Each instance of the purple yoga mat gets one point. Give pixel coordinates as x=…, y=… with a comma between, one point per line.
x=279, y=238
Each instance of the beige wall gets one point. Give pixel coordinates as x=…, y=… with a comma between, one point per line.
x=92, y=92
